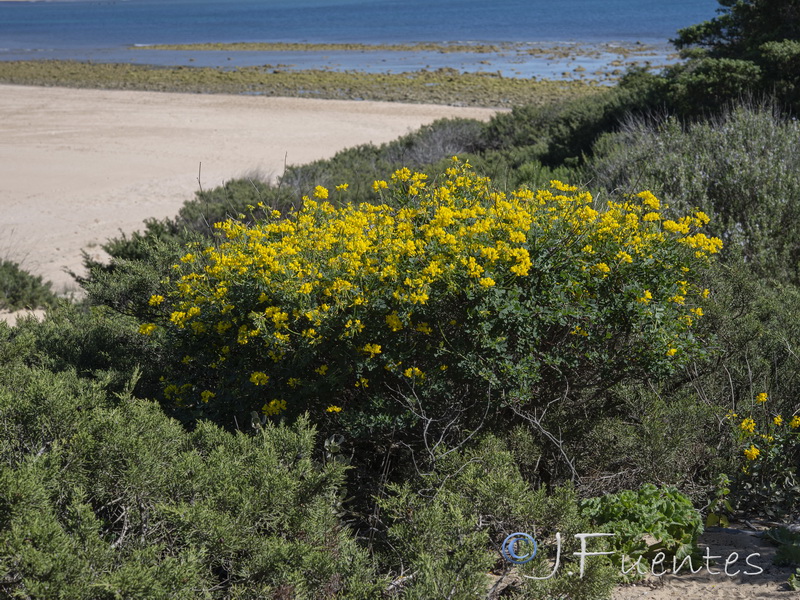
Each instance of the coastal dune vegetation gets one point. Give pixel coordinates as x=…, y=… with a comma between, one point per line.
x=356, y=381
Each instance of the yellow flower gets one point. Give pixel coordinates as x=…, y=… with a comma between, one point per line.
x=274, y=407
x=752, y=452
x=342, y=187
x=147, y=328
x=672, y=352
x=259, y=378
x=372, y=349
x=486, y=282
x=207, y=395
x=322, y=370
x=795, y=422
x=394, y=322
x=413, y=373
x=321, y=192
x=646, y=297
x=623, y=256
x=748, y=425
x=333, y=409
x=155, y=300
x=778, y=420
x=602, y=267
x=424, y=328
x=761, y=398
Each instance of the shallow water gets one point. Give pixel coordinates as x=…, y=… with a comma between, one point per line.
x=106, y=31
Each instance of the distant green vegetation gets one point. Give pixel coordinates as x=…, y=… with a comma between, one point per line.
x=323, y=424
x=444, y=86
x=545, y=50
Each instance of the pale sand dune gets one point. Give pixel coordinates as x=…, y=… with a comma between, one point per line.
x=77, y=166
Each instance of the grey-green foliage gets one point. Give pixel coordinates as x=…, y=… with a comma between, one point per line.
x=742, y=168
x=19, y=289
x=446, y=528
x=104, y=497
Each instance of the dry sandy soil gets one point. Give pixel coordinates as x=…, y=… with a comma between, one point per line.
x=714, y=583
x=78, y=166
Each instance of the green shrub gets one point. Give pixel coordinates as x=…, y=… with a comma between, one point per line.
x=19, y=289
x=655, y=432
x=562, y=133
x=455, y=307
x=705, y=86
x=742, y=169
x=756, y=327
x=446, y=526
x=95, y=342
x=108, y=498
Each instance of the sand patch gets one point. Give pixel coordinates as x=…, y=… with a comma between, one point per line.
x=78, y=166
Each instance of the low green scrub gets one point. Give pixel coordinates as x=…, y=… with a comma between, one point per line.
x=19, y=289
x=448, y=523
x=561, y=133
x=444, y=86
x=105, y=497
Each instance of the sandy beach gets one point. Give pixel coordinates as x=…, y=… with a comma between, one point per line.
x=78, y=166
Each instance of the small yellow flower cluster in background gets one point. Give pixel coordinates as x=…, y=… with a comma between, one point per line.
x=274, y=407
x=769, y=431
x=752, y=452
x=259, y=378
x=748, y=425
x=147, y=328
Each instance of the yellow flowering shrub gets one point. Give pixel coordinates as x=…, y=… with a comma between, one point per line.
x=438, y=294
x=769, y=446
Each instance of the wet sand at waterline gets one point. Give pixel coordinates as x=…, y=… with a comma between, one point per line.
x=79, y=166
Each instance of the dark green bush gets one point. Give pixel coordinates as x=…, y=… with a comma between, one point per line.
x=19, y=289
x=751, y=47
x=563, y=133
x=95, y=342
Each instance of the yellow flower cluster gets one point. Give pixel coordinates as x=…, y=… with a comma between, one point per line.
x=321, y=262
x=752, y=452
x=748, y=425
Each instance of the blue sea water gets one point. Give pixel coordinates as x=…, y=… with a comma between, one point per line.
x=107, y=30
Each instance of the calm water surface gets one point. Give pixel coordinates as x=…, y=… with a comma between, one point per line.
x=107, y=30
